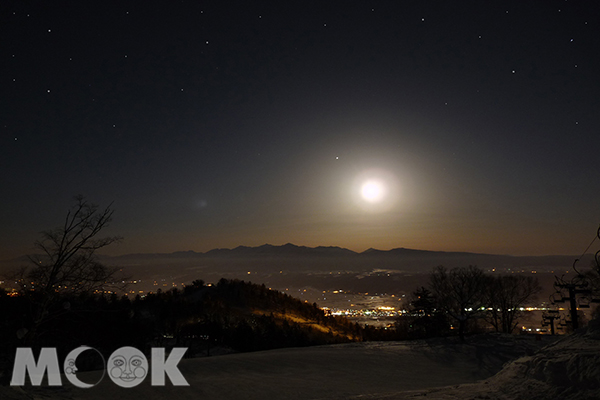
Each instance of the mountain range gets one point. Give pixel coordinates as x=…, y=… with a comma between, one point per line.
x=398, y=258
x=331, y=258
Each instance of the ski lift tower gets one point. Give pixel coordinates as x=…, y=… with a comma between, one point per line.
x=548, y=319
x=577, y=291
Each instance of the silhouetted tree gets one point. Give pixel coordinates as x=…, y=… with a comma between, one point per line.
x=504, y=295
x=67, y=264
x=426, y=318
x=459, y=293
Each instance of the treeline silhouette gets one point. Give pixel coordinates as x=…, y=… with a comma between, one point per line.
x=467, y=300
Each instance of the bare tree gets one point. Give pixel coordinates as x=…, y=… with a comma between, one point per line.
x=459, y=293
x=68, y=263
x=505, y=294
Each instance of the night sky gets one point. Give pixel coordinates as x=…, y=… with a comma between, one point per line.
x=222, y=123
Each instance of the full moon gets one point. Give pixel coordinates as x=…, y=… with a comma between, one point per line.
x=375, y=190
x=372, y=191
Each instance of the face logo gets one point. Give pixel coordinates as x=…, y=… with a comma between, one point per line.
x=127, y=367
x=71, y=370
x=70, y=367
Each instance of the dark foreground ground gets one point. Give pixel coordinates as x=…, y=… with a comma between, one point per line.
x=429, y=369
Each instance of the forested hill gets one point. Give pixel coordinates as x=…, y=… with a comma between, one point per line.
x=247, y=316
x=231, y=315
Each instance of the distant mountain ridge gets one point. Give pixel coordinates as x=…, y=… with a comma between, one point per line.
x=286, y=249
x=292, y=249
x=398, y=258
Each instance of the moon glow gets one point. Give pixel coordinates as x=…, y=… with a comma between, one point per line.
x=373, y=191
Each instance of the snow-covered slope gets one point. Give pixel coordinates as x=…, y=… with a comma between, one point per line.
x=438, y=369
x=568, y=369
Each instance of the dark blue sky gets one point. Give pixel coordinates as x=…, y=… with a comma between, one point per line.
x=223, y=123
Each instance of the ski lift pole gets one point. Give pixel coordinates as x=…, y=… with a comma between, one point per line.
x=573, y=304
